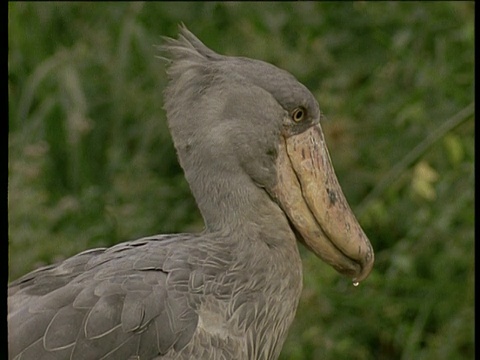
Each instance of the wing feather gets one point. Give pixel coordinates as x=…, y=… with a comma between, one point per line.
x=107, y=303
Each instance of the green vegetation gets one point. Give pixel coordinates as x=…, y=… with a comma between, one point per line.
x=91, y=162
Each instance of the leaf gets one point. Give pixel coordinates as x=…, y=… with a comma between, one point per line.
x=424, y=177
x=454, y=148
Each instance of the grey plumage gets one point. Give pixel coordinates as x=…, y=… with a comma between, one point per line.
x=228, y=293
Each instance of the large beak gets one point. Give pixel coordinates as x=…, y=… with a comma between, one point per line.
x=309, y=193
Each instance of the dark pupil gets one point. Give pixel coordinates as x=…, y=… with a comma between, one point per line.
x=298, y=115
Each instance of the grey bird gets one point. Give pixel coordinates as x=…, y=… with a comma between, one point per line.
x=249, y=140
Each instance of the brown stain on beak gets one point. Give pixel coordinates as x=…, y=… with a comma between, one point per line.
x=309, y=193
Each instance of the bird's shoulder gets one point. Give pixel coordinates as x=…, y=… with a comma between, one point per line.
x=105, y=301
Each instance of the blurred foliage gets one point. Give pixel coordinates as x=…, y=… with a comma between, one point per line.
x=91, y=162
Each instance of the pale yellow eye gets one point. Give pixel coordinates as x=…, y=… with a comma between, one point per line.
x=299, y=114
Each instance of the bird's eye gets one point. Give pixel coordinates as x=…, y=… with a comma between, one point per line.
x=298, y=114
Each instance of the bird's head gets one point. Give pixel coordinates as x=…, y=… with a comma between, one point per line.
x=228, y=113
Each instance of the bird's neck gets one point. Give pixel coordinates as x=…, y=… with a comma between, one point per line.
x=238, y=211
x=230, y=202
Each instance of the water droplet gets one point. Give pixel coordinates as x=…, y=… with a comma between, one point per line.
x=355, y=283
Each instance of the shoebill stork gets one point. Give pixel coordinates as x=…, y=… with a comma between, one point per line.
x=249, y=140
